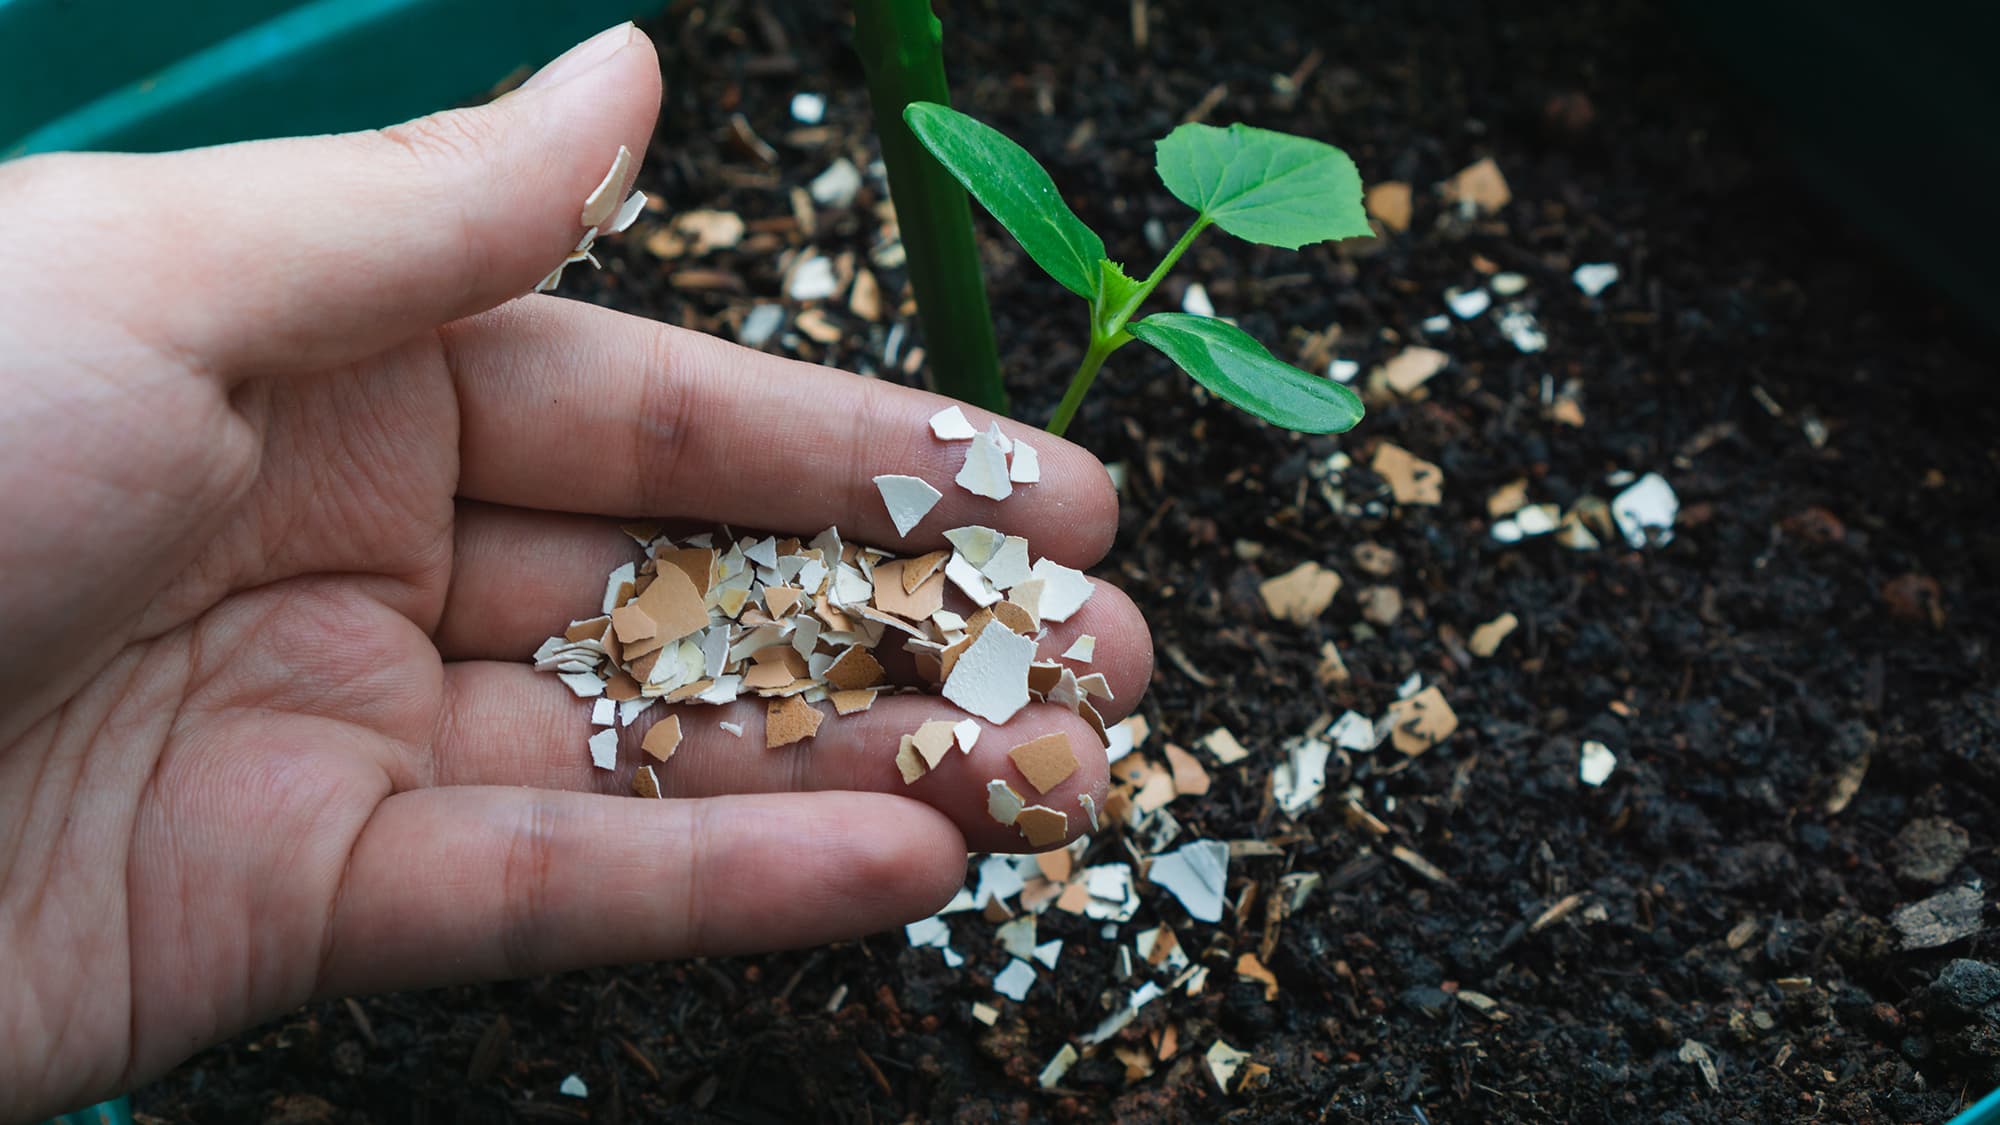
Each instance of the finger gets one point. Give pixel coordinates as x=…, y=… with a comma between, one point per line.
x=519, y=576
x=461, y=884
x=574, y=408
x=296, y=254
x=508, y=725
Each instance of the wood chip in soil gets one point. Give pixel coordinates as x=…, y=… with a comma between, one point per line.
x=1300, y=594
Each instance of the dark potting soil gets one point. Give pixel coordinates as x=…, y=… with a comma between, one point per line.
x=1716, y=944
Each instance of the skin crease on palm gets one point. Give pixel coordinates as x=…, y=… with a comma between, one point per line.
x=293, y=482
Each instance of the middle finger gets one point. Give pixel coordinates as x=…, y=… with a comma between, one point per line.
x=519, y=576
x=569, y=407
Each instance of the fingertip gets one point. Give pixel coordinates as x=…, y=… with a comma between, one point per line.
x=622, y=83
x=1091, y=778
x=1070, y=514
x=1122, y=648
x=584, y=57
x=904, y=860
x=1098, y=507
x=1085, y=519
x=602, y=97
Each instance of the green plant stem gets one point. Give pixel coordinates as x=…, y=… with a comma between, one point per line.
x=1159, y=273
x=1107, y=331
x=901, y=48
x=1079, y=383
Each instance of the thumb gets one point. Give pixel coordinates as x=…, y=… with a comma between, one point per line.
x=295, y=254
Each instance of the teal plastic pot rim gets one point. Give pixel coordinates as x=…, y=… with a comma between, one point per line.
x=321, y=66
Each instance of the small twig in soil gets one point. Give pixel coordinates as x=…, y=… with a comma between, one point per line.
x=875, y=1072
x=799, y=974
x=639, y=1058
x=361, y=1021
x=491, y=1049
x=1179, y=660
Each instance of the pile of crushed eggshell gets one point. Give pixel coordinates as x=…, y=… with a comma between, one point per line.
x=711, y=619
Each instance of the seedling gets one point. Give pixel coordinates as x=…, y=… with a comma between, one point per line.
x=1259, y=185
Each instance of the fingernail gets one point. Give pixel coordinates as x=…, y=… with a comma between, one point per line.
x=583, y=57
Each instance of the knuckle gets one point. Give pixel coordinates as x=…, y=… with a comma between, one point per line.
x=527, y=875
x=665, y=422
x=701, y=843
x=451, y=136
x=440, y=154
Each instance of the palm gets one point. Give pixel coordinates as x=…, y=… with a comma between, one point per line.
x=277, y=547
x=276, y=692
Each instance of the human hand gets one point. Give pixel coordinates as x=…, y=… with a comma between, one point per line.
x=289, y=501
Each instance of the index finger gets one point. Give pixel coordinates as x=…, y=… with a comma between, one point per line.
x=570, y=407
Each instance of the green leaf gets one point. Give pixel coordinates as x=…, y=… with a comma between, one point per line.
x=1018, y=191
x=1226, y=360
x=1262, y=186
